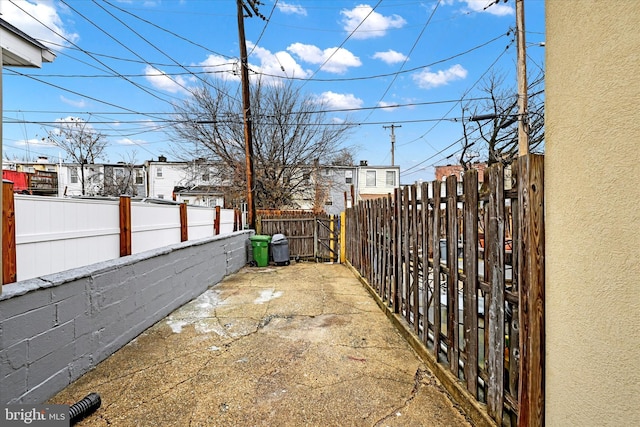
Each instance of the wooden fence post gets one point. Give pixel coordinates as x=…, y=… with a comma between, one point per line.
x=216, y=221
x=184, y=227
x=9, y=267
x=532, y=290
x=125, y=225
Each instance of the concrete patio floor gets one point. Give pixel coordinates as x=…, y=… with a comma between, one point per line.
x=301, y=345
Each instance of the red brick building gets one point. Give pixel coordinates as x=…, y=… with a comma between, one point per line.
x=457, y=170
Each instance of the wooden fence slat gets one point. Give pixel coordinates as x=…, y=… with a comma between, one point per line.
x=452, y=278
x=413, y=236
x=424, y=212
x=397, y=250
x=470, y=183
x=436, y=268
x=406, y=254
x=532, y=319
x=494, y=246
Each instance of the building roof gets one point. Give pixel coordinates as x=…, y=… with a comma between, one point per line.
x=20, y=49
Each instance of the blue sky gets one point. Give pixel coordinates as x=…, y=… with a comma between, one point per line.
x=121, y=64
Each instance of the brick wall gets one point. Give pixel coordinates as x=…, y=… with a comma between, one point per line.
x=445, y=171
x=55, y=328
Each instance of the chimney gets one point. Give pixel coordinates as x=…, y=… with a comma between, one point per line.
x=364, y=163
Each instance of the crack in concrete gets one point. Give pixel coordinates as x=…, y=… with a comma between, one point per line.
x=418, y=378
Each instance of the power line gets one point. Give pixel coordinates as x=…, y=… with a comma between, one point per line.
x=94, y=58
x=407, y=56
x=343, y=43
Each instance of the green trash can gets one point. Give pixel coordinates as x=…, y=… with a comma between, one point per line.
x=260, y=248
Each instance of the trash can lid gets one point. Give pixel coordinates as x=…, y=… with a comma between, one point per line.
x=278, y=237
x=260, y=238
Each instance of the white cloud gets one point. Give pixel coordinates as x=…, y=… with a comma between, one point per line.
x=129, y=141
x=374, y=25
x=483, y=6
x=338, y=60
x=34, y=18
x=34, y=142
x=387, y=106
x=291, y=9
x=81, y=103
x=340, y=100
x=161, y=80
x=221, y=67
x=427, y=79
x=271, y=64
x=390, y=57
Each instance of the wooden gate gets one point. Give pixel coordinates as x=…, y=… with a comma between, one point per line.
x=309, y=236
x=327, y=238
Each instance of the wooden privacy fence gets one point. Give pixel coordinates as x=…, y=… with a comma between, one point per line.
x=44, y=235
x=463, y=267
x=309, y=235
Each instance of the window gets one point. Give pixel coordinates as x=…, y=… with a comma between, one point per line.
x=391, y=178
x=348, y=177
x=73, y=175
x=139, y=177
x=118, y=173
x=159, y=172
x=371, y=178
x=160, y=196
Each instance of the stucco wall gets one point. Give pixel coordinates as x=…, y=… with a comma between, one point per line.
x=592, y=213
x=55, y=328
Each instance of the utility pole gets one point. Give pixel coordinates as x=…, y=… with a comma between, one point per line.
x=246, y=106
x=393, y=140
x=523, y=120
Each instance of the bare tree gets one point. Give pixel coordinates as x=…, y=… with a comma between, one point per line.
x=290, y=129
x=81, y=143
x=121, y=179
x=492, y=123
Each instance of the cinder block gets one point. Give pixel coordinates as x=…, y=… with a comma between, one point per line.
x=12, y=385
x=23, y=303
x=48, y=387
x=72, y=307
x=14, y=357
x=27, y=325
x=68, y=290
x=39, y=371
x=47, y=342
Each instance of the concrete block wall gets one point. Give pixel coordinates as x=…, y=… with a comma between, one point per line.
x=55, y=328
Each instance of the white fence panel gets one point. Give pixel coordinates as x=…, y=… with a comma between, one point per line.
x=154, y=226
x=55, y=234
x=200, y=221
x=226, y=221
